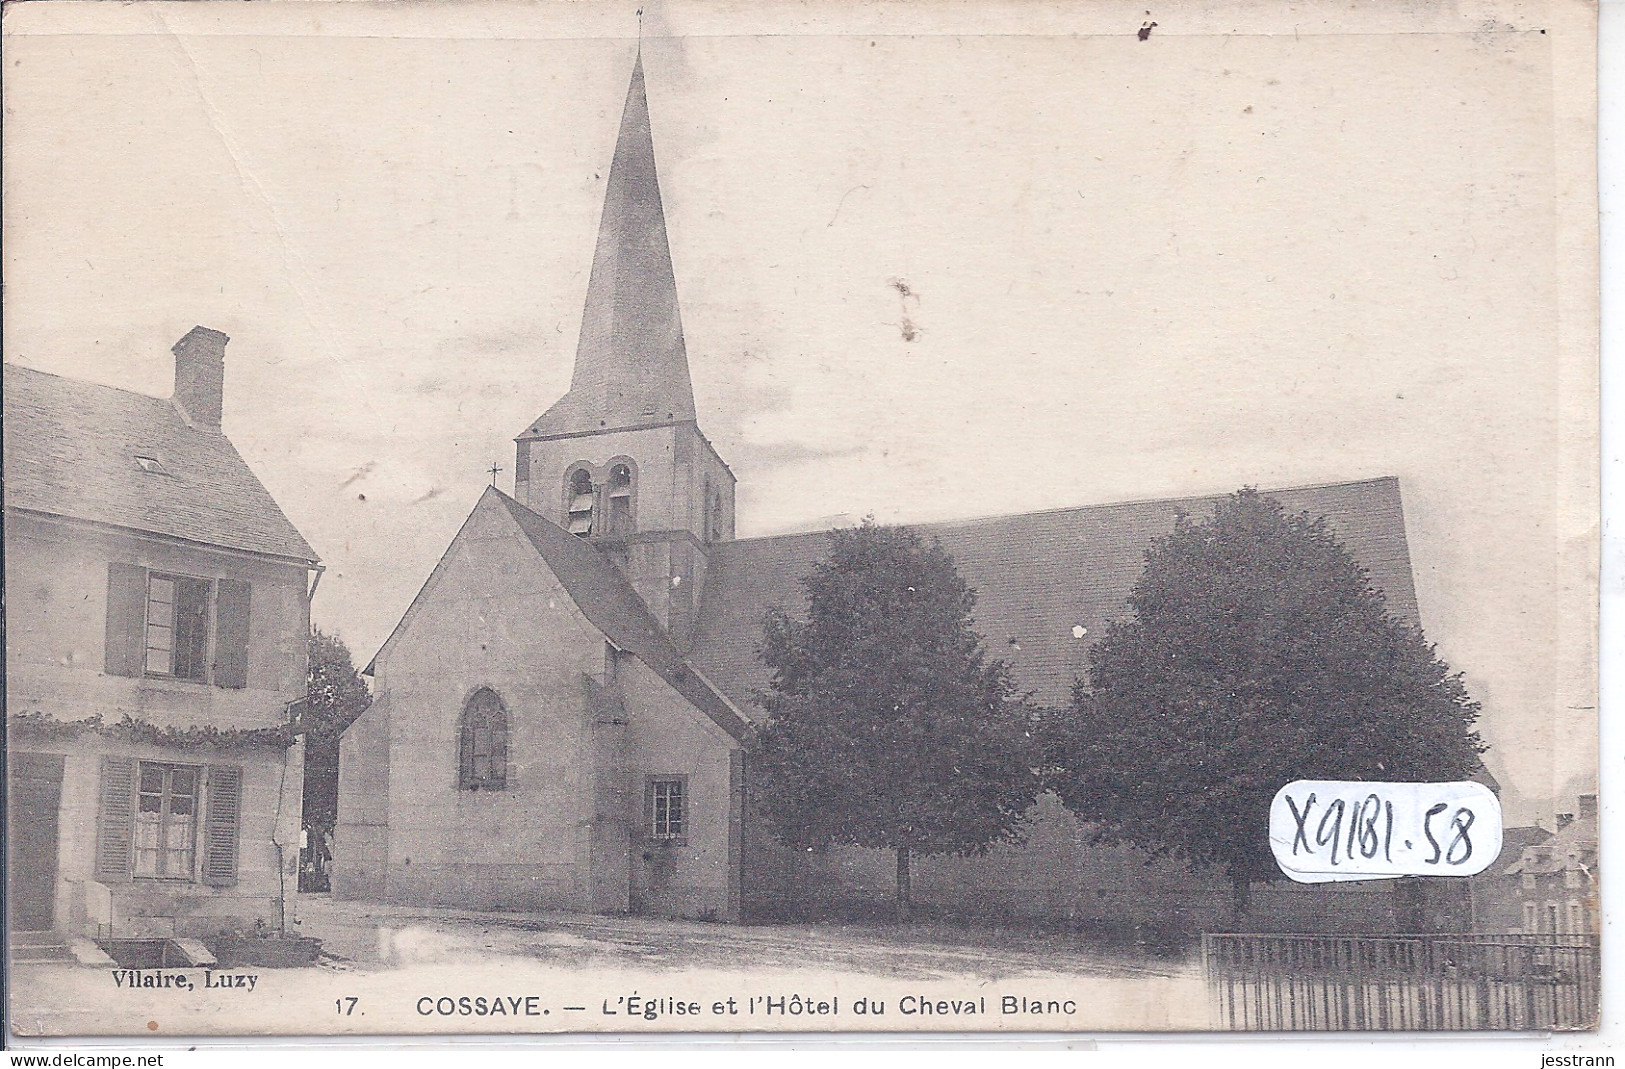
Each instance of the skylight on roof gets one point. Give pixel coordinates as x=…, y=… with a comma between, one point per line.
x=150, y=463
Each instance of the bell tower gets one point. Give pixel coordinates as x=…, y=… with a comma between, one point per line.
x=620, y=459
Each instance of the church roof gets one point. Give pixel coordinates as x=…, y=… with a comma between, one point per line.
x=72, y=449
x=631, y=365
x=1038, y=577
x=611, y=605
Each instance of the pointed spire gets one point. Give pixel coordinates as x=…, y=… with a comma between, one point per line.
x=631, y=365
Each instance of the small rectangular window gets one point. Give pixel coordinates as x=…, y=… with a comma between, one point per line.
x=668, y=807
x=166, y=820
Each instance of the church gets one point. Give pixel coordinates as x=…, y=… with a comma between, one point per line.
x=561, y=717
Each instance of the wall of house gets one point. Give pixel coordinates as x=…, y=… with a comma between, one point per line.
x=141, y=907
x=56, y=619
x=56, y=615
x=496, y=617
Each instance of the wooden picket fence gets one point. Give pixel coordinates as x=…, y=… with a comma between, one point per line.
x=1401, y=983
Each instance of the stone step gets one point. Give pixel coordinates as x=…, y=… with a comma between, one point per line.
x=35, y=939
x=89, y=953
x=195, y=952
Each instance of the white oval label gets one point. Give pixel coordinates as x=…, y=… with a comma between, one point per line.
x=1328, y=830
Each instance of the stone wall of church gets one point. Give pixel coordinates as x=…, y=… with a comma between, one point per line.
x=494, y=617
x=571, y=827
x=695, y=875
x=361, y=838
x=680, y=482
x=650, y=450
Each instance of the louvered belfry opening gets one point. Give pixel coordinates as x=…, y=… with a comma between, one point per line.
x=581, y=503
x=618, y=520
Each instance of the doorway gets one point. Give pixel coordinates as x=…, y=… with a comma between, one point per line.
x=36, y=794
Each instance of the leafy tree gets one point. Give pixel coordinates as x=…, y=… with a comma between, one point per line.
x=1259, y=653
x=887, y=724
x=336, y=694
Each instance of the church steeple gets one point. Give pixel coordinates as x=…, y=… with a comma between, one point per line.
x=620, y=459
x=631, y=365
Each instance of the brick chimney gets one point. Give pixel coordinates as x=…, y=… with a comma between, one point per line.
x=200, y=376
x=1588, y=812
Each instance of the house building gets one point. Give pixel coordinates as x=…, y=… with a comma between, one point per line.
x=1497, y=897
x=560, y=717
x=1553, y=879
x=156, y=619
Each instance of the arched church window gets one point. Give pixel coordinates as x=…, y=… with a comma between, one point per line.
x=483, y=743
x=579, y=491
x=618, y=522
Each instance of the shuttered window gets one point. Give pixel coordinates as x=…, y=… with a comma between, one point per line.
x=115, y=819
x=618, y=521
x=147, y=823
x=221, y=830
x=580, y=496
x=159, y=625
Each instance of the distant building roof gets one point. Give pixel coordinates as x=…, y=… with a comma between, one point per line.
x=1046, y=582
x=96, y=453
x=1514, y=841
x=1570, y=847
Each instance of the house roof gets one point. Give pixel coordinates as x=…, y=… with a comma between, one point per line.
x=71, y=450
x=1038, y=577
x=610, y=604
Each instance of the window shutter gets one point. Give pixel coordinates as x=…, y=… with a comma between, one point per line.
x=220, y=829
x=126, y=619
x=115, y=821
x=231, y=634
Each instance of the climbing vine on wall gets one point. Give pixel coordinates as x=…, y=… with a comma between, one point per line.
x=36, y=725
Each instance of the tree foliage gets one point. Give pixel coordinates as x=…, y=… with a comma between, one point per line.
x=1259, y=653
x=336, y=694
x=887, y=724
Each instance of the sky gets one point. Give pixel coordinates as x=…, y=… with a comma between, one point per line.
x=934, y=260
